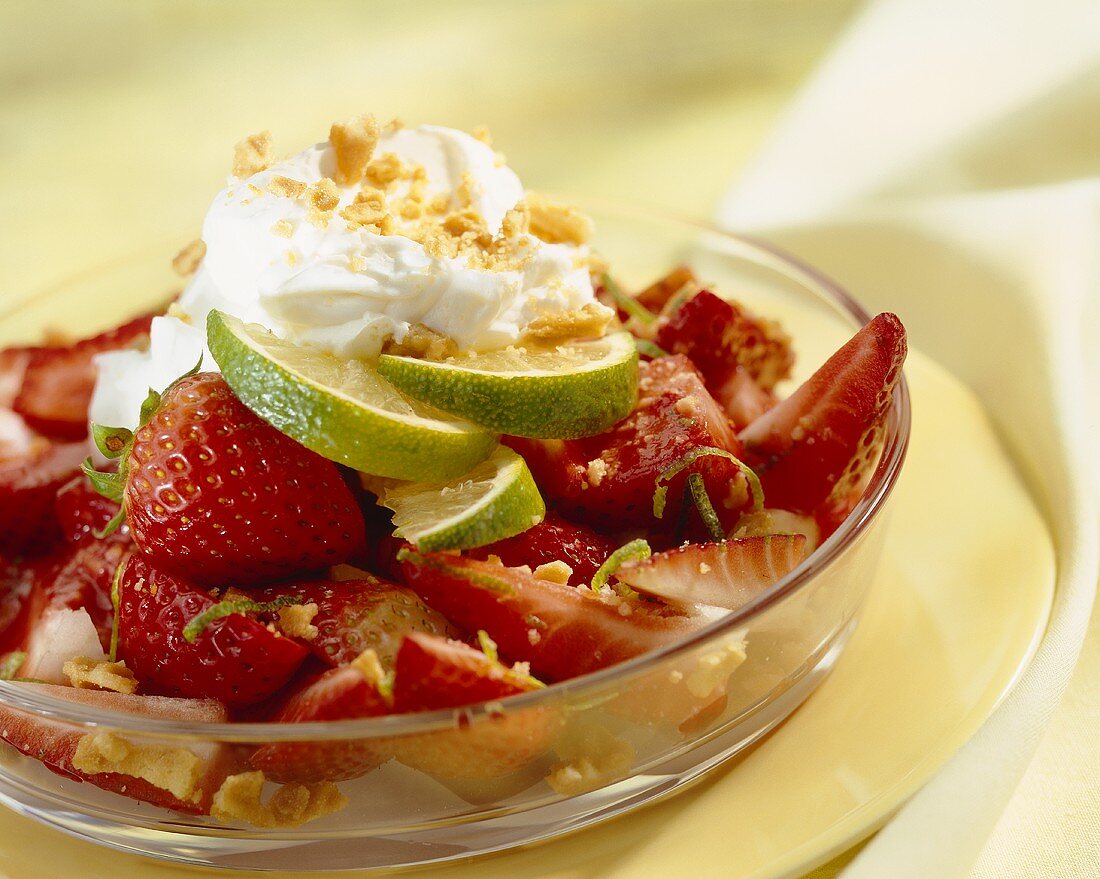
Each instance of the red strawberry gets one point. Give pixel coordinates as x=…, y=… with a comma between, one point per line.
x=726, y=574
x=16, y=582
x=13, y=366
x=553, y=539
x=435, y=673
x=82, y=511
x=608, y=481
x=59, y=380
x=819, y=444
x=718, y=336
x=101, y=758
x=338, y=694
x=28, y=486
x=563, y=632
x=361, y=614
x=221, y=497
x=236, y=660
x=742, y=398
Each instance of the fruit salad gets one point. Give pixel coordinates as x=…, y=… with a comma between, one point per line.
x=401, y=444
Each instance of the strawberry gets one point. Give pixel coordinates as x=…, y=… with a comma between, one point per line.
x=235, y=659
x=608, y=481
x=435, y=673
x=742, y=398
x=719, y=336
x=561, y=631
x=100, y=758
x=361, y=614
x=83, y=512
x=727, y=574
x=13, y=366
x=818, y=446
x=16, y=586
x=338, y=694
x=553, y=539
x=28, y=486
x=219, y=496
x=59, y=379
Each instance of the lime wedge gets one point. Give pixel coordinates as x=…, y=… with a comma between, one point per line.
x=341, y=409
x=574, y=390
x=497, y=499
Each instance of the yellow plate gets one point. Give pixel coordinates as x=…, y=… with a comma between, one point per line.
x=956, y=612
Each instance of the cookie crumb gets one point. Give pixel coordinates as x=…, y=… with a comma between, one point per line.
x=554, y=572
x=240, y=798
x=186, y=262
x=176, y=770
x=99, y=674
x=557, y=223
x=296, y=621
x=252, y=155
x=354, y=142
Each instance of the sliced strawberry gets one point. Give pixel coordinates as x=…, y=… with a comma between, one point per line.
x=221, y=497
x=726, y=574
x=366, y=613
x=435, y=673
x=608, y=481
x=82, y=511
x=28, y=486
x=742, y=398
x=719, y=336
x=16, y=582
x=13, y=366
x=553, y=539
x=106, y=759
x=338, y=694
x=819, y=445
x=59, y=380
x=58, y=635
x=561, y=631
x=236, y=659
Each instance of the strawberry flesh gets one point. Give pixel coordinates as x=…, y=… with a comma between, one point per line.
x=818, y=445
x=553, y=539
x=563, y=632
x=58, y=380
x=28, y=487
x=82, y=511
x=221, y=497
x=236, y=659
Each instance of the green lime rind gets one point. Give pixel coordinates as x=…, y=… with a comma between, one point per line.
x=495, y=500
x=341, y=408
x=579, y=389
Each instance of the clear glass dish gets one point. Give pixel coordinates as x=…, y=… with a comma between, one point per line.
x=623, y=737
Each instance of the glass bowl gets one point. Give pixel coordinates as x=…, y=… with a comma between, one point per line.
x=620, y=738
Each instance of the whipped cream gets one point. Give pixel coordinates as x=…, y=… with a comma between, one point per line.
x=319, y=279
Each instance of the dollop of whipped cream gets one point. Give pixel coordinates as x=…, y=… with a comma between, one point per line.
x=368, y=240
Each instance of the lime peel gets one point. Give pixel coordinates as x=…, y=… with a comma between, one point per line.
x=635, y=550
x=660, y=494
x=705, y=507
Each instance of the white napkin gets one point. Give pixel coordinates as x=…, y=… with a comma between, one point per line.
x=944, y=163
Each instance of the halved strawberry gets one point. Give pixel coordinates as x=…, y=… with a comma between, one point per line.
x=561, y=631
x=338, y=694
x=819, y=445
x=719, y=336
x=608, y=481
x=16, y=582
x=435, y=673
x=58, y=380
x=742, y=398
x=13, y=366
x=28, y=486
x=553, y=539
x=82, y=511
x=221, y=497
x=726, y=574
x=179, y=777
x=236, y=659
x=365, y=613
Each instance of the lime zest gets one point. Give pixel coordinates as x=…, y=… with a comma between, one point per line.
x=485, y=581
x=116, y=599
x=10, y=663
x=635, y=550
x=705, y=507
x=198, y=624
x=627, y=303
x=488, y=645
x=650, y=349
x=660, y=494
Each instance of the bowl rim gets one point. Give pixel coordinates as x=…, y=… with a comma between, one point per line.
x=18, y=695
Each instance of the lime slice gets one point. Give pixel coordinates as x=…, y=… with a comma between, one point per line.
x=575, y=390
x=497, y=499
x=341, y=409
